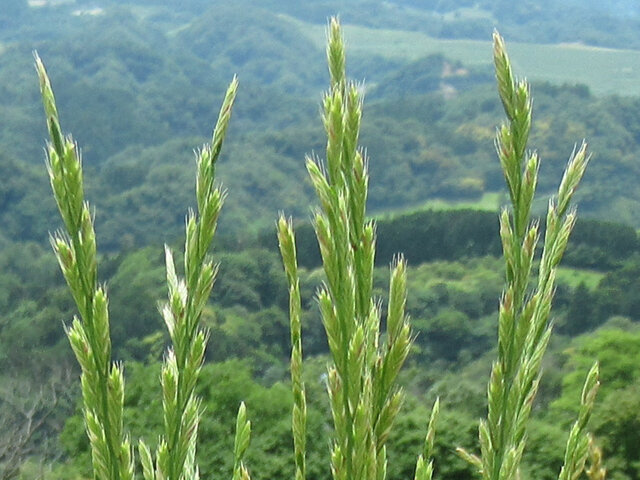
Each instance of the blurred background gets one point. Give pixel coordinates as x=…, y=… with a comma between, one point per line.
x=139, y=83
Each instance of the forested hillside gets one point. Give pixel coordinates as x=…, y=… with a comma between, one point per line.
x=138, y=83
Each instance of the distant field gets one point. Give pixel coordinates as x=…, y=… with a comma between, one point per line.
x=604, y=70
x=490, y=201
x=574, y=276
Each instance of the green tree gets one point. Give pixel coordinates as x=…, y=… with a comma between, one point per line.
x=135, y=290
x=618, y=353
x=615, y=418
x=581, y=315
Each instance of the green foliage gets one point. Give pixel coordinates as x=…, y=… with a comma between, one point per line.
x=600, y=245
x=617, y=352
x=614, y=295
x=580, y=314
x=615, y=418
x=254, y=43
x=222, y=387
x=31, y=304
x=130, y=106
x=616, y=426
x=428, y=75
x=25, y=211
x=426, y=235
x=135, y=290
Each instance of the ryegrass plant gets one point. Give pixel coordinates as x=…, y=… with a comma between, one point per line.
x=362, y=375
x=102, y=380
x=596, y=470
x=75, y=248
x=363, y=393
x=523, y=325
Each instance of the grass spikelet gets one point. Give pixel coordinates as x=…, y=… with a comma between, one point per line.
x=102, y=380
x=523, y=326
x=362, y=377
